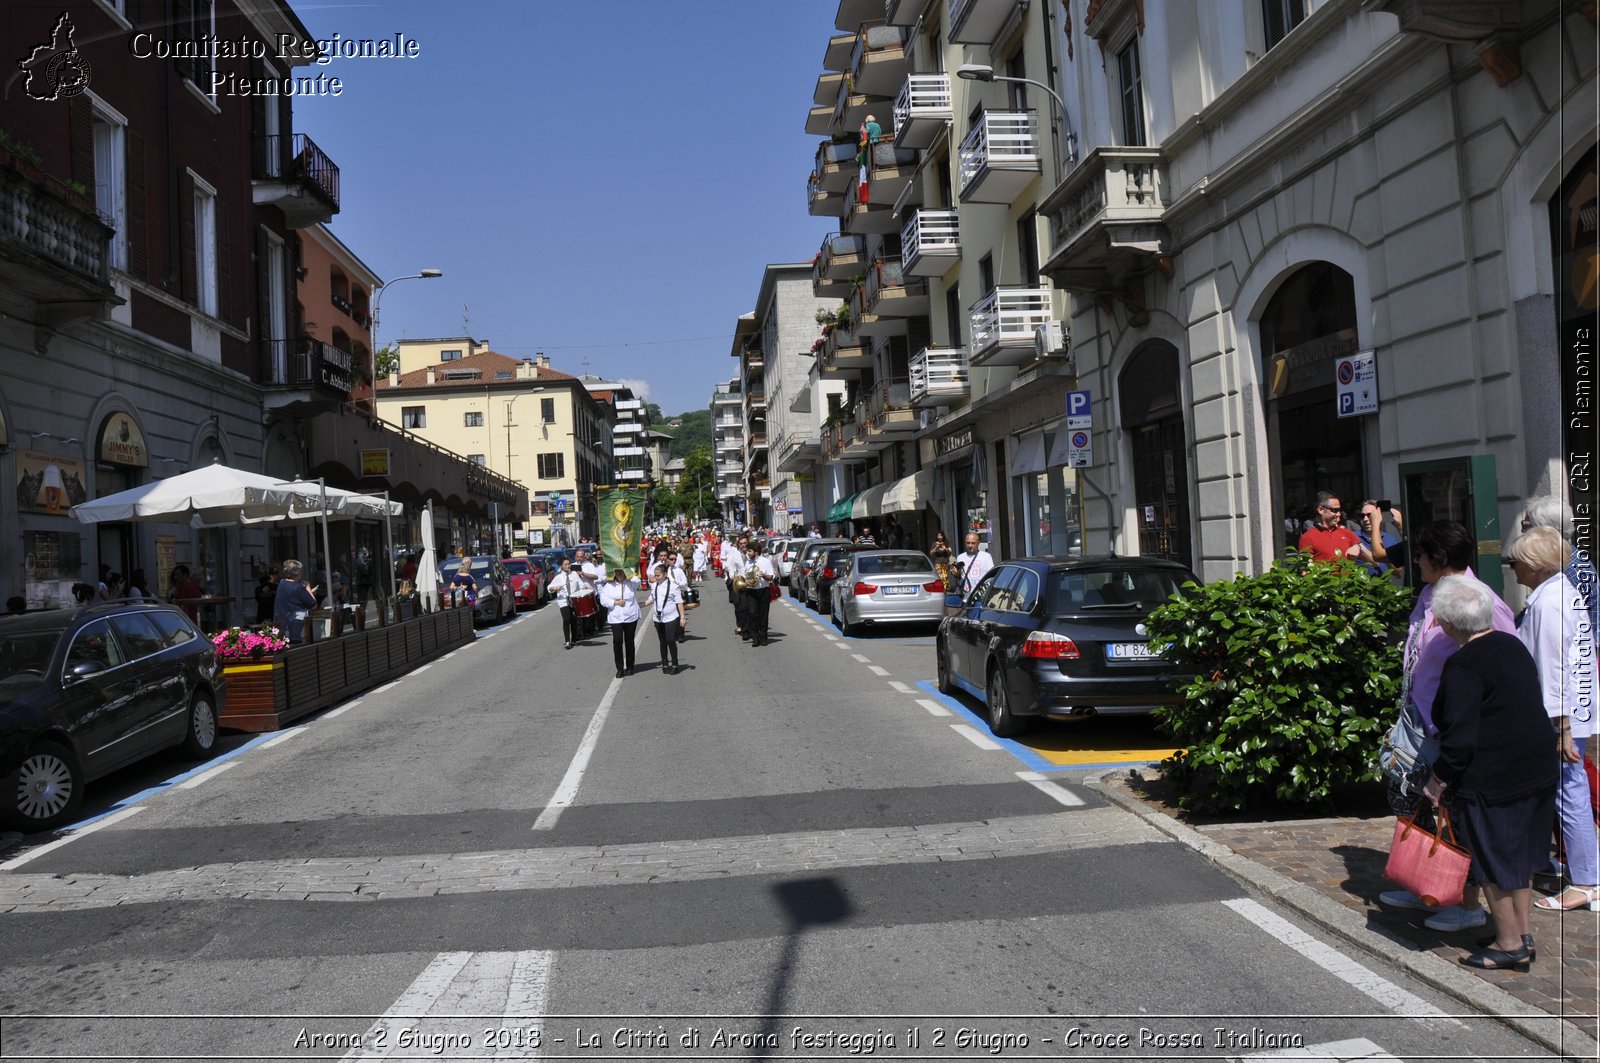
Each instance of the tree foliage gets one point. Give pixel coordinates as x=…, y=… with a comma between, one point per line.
x=694, y=432
x=1296, y=675
x=385, y=360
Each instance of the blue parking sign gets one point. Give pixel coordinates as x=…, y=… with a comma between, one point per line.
x=1080, y=406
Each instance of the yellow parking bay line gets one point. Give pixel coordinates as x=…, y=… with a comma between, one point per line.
x=1112, y=740
x=1099, y=756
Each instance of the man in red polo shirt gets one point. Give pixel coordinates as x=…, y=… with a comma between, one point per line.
x=1330, y=540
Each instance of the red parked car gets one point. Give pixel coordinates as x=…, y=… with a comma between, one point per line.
x=528, y=580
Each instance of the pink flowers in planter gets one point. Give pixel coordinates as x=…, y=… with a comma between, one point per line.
x=249, y=643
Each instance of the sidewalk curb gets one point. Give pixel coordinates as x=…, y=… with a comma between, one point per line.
x=1531, y=1022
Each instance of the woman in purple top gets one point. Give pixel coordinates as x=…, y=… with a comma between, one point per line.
x=1443, y=548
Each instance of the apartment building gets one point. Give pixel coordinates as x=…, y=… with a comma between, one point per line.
x=1325, y=245
x=727, y=447
x=944, y=336
x=633, y=447
x=773, y=344
x=555, y=447
x=134, y=321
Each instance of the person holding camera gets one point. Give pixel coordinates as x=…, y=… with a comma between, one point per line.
x=1380, y=536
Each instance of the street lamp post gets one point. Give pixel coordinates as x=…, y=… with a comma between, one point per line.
x=377, y=295
x=510, y=425
x=980, y=72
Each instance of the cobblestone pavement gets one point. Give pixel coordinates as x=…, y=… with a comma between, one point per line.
x=1342, y=859
x=389, y=877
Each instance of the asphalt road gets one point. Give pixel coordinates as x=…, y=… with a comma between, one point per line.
x=793, y=851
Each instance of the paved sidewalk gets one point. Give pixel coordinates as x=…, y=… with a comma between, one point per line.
x=1310, y=863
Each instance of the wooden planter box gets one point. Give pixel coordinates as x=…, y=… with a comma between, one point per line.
x=267, y=695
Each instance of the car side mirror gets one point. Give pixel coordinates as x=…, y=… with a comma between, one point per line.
x=954, y=601
x=83, y=670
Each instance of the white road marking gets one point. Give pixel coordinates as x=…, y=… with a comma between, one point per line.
x=414, y=1003
x=878, y=670
x=971, y=735
x=580, y=760
x=526, y=999
x=1051, y=788
x=387, y=686
x=933, y=706
x=829, y=637
x=346, y=707
x=449, y=655
x=419, y=671
x=901, y=688
x=862, y=658
x=281, y=739
x=487, y=637
x=115, y=817
x=1338, y=964
x=206, y=776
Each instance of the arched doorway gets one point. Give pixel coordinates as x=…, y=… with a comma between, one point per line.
x=1309, y=322
x=1151, y=405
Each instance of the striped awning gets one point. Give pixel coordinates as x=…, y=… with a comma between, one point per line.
x=869, y=503
x=908, y=494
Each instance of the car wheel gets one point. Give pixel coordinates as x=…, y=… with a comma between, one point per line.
x=512, y=612
x=1001, y=720
x=45, y=790
x=846, y=628
x=946, y=680
x=201, y=740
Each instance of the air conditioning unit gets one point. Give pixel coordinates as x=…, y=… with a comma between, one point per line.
x=1051, y=340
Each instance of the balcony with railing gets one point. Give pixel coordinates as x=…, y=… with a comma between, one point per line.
x=837, y=55
x=889, y=170
x=890, y=414
x=1003, y=324
x=841, y=257
x=999, y=156
x=844, y=355
x=888, y=298
x=879, y=61
x=822, y=203
x=1107, y=216
x=850, y=110
x=863, y=219
x=294, y=175
x=921, y=110
x=930, y=242
x=835, y=167
x=940, y=376
x=903, y=12
x=981, y=21
x=307, y=372
x=53, y=250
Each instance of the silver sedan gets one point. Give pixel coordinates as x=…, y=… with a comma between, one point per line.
x=887, y=587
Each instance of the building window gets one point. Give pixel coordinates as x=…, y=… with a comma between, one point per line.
x=110, y=177
x=413, y=417
x=449, y=356
x=197, y=21
x=205, y=245
x=472, y=419
x=547, y=411
x=1278, y=17
x=552, y=466
x=1128, y=87
x=477, y=459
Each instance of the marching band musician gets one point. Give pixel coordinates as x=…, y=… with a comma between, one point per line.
x=593, y=573
x=567, y=585
x=733, y=568
x=760, y=575
x=619, y=596
x=666, y=598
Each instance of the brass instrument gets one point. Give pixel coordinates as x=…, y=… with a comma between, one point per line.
x=742, y=583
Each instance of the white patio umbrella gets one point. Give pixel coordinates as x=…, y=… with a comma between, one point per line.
x=427, y=567
x=211, y=495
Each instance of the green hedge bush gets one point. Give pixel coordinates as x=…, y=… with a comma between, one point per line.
x=1297, y=672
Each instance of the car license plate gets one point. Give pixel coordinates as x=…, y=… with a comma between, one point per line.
x=1129, y=651
x=899, y=590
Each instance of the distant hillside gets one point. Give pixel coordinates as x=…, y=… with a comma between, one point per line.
x=694, y=432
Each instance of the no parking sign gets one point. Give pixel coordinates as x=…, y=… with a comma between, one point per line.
x=1080, y=449
x=1355, y=379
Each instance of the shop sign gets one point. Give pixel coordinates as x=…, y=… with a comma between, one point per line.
x=121, y=443
x=954, y=441
x=49, y=483
x=375, y=461
x=335, y=369
x=1355, y=381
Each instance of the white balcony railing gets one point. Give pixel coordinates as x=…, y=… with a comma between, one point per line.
x=999, y=156
x=921, y=109
x=1005, y=320
x=940, y=376
x=931, y=242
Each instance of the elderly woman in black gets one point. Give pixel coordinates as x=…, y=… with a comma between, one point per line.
x=1495, y=769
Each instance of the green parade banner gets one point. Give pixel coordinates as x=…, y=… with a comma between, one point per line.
x=621, y=527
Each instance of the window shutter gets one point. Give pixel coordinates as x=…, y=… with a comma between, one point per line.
x=80, y=136
x=260, y=150
x=264, y=323
x=138, y=222
x=190, y=281
x=224, y=262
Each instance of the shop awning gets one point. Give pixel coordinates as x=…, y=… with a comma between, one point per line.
x=1029, y=456
x=908, y=494
x=869, y=503
x=1061, y=448
x=840, y=510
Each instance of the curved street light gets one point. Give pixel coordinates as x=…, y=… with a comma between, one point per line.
x=377, y=294
x=980, y=72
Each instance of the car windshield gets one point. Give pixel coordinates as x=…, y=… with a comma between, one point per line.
x=1112, y=587
x=24, y=656
x=891, y=564
x=518, y=568
x=478, y=567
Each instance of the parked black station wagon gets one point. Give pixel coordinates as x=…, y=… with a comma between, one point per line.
x=86, y=691
x=1061, y=637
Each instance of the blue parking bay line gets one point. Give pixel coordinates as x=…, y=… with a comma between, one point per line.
x=167, y=784
x=827, y=621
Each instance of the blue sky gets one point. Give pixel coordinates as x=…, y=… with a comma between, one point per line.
x=598, y=181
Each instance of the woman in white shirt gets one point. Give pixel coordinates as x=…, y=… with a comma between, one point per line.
x=666, y=598
x=1555, y=628
x=567, y=585
x=619, y=597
